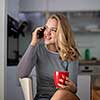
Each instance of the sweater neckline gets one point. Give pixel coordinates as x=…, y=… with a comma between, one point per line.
x=53, y=52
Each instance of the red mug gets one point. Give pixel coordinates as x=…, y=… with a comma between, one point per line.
x=60, y=75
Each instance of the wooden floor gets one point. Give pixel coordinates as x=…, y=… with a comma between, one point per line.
x=95, y=94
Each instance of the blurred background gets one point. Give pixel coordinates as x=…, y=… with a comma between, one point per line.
x=20, y=17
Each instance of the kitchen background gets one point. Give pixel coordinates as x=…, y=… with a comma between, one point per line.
x=84, y=17
x=86, y=26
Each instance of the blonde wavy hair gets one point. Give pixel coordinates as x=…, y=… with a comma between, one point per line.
x=65, y=42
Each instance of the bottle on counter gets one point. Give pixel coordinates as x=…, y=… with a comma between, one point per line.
x=87, y=54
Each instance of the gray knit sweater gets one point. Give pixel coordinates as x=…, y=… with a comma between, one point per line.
x=46, y=62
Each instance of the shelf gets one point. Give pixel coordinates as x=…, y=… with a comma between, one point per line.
x=87, y=31
x=85, y=22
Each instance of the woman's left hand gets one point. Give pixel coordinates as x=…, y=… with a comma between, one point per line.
x=69, y=85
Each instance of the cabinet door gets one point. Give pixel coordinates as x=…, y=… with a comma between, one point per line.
x=59, y=5
x=32, y=5
x=84, y=87
x=69, y=5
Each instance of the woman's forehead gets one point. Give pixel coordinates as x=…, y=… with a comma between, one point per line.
x=52, y=22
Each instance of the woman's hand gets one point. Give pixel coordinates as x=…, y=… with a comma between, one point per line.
x=35, y=38
x=69, y=85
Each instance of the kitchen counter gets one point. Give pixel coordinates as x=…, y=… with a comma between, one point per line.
x=89, y=62
x=89, y=67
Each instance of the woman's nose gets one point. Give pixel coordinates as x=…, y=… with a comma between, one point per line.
x=48, y=31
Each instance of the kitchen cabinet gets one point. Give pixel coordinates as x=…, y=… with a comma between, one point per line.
x=59, y=5
x=83, y=85
x=32, y=5
x=69, y=5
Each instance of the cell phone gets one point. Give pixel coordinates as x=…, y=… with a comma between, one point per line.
x=41, y=33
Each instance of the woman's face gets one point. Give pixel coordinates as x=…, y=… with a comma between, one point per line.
x=50, y=31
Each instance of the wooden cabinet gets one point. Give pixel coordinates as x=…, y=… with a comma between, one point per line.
x=95, y=87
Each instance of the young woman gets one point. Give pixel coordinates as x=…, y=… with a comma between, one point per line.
x=55, y=51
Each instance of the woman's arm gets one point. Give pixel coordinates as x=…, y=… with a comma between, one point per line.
x=73, y=74
x=73, y=71
x=30, y=57
x=26, y=65
x=27, y=62
x=24, y=68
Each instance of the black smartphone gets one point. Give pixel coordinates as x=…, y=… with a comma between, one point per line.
x=41, y=33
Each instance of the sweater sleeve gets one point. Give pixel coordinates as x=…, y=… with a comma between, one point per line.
x=27, y=62
x=73, y=71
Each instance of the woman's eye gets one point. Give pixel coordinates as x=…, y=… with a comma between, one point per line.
x=50, y=29
x=53, y=30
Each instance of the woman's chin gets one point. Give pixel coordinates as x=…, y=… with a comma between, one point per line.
x=47, y=42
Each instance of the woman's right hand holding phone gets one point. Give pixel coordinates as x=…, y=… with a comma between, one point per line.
x=35, y=35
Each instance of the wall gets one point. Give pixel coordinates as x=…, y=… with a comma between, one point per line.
x=12, y=89
x=33, y=20
x=2, y=46
x=13, y=8
x=13, y=86
x=88, y=40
